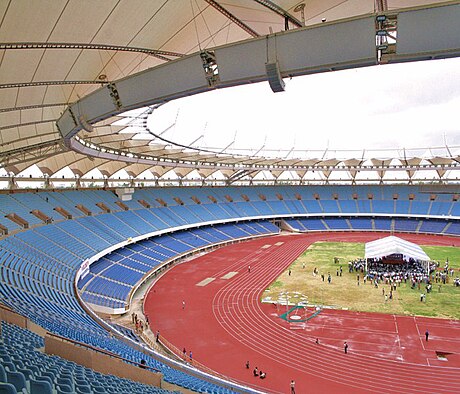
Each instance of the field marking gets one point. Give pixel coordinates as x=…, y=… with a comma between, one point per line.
x=265, y=246
x=397, y=331
x=418, y=332
x=206, y=281
x=229, y=275
x=279, y=243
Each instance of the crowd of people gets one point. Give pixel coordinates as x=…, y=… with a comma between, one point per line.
x=386, y=272
x=442, y=276
x=357, y=265
x=408, y=270
x=394, y=270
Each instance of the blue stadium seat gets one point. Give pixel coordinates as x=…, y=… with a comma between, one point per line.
x=64, y=388
x=2, y=374
x=40, y=387
x=82, y=389
x=17, y=379
x=7, y=388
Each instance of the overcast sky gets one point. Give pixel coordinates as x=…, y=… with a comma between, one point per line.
x=411, y=105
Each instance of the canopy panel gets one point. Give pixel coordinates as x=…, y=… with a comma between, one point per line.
x=394, y=245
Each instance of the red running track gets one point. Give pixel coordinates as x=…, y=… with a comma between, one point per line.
x=224, y=324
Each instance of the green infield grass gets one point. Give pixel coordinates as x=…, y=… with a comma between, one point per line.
x=344, y=292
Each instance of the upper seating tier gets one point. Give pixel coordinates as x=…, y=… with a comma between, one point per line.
x=193, y=205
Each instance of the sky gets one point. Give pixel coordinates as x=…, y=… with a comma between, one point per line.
x=409, y=105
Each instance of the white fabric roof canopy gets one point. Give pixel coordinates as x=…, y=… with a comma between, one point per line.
x=394, y=245
x=56, y=52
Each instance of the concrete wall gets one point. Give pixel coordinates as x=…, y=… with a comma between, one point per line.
x=100, y=362
x=12, y=317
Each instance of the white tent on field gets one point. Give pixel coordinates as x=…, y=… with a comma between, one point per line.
x=393, y=245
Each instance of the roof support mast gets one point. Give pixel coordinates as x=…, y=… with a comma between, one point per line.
x=280, y=11
x=233, y=18
x=382, y=5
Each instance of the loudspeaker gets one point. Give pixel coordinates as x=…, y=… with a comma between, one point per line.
x=274, y=77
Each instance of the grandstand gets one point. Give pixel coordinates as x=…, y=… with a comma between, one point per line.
x=94, y=204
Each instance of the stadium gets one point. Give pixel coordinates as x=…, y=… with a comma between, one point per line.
x=138, y=259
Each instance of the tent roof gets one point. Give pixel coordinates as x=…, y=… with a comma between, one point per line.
x=394, y=245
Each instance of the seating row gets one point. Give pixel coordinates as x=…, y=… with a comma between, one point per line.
x=170, y=207
x=413, y=225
